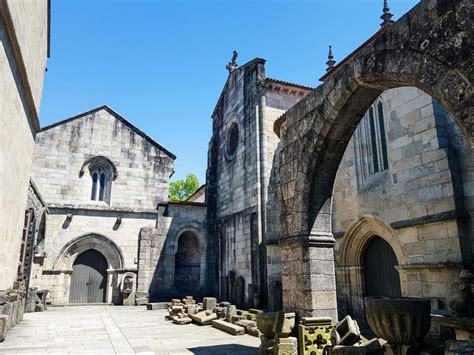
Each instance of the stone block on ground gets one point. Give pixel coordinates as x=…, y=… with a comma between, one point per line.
x=255, y=332
x=3, y=326
x=246, y=324
x=372, y=347
x=228, y=327
x=181, y=319
x=286, y=346
x=209, y=303
x=203, y=317
x=231, y=311
x=459, y=347
x=224, y=304
x=153, y=306
x=32, y=299
x=191, y=309
x=140, y=301
x=221, y=312
x=236, y=318
x=346, y=332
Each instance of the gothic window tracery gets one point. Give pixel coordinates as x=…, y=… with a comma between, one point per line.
x=370, y=145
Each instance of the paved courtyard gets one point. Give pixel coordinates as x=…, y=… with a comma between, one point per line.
x=117, y=330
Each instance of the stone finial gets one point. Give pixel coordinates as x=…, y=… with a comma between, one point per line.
x=386, y=16
x=232, y=65
x=330, y=63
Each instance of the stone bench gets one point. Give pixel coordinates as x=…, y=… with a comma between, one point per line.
x=228, y=327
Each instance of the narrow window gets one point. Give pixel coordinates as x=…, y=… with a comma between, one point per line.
x=370, y=145
x=382, y=136
x=94, y=186
x=373, y=139
x=102, y=187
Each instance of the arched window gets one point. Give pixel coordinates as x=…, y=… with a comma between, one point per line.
x=99, y=185
x=102, y=173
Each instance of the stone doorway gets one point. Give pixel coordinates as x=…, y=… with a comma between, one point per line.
x=381, y=277
x=187, y=263
x=89, y=278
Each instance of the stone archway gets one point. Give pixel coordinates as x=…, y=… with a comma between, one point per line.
x=428, y=48
x=187, y=263
x=190, y=236
x=350, y=261
x=65, y=260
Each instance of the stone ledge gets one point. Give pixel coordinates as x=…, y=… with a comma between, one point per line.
x=434, y=218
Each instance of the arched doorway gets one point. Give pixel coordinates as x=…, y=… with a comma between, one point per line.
x=381, y=277
x=187, y=263
x=89, y=278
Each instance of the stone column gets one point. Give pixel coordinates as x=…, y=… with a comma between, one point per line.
x=308, y=272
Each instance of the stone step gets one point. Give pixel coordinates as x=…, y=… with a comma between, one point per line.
x=228, y=327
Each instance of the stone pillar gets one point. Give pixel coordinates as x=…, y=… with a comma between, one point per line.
x=308, y=272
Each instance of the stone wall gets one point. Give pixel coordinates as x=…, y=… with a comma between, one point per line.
x=143, y=167
x=31, y=26
x=415, y=204
x=233, y=190
x=22, y=25
x=84, y=229
x=158, y=247
x=241, y=188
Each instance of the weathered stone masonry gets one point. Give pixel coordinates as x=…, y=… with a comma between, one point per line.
x=429, y=48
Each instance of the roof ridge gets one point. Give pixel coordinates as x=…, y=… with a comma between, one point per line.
x=117, y=116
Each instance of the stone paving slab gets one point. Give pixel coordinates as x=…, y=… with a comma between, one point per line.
x=118, y=330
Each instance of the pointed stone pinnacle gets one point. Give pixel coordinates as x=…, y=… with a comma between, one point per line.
x=330, y=63
x=386, y=16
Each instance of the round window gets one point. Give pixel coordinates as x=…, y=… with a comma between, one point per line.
x=232, y=139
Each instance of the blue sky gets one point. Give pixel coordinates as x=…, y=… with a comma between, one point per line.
x=161, y=64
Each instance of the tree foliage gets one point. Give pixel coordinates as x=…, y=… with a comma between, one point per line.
x=181, y=189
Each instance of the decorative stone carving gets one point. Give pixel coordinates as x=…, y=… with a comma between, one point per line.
x=314, y=335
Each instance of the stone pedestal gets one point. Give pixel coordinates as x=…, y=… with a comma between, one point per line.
x=308, y=277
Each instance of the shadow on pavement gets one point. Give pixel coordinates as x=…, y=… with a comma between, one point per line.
x=227, y=349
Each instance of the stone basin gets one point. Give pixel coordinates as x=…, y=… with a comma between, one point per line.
x=402, y=320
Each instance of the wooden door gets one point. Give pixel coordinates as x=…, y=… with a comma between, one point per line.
x=89, y=278
x=381, y=277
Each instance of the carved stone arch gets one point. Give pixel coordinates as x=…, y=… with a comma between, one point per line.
x=76, y=246
x=359, y=233
x=102, y=162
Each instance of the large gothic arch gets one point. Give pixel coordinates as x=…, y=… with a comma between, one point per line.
x=430, y=48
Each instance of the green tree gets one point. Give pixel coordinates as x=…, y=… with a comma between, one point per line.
x=181, y=189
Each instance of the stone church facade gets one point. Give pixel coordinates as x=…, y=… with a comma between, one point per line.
x=102, y=180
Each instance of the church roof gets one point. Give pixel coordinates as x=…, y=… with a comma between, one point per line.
x=121, y=119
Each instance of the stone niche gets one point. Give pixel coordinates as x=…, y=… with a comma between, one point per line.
x=128, y=288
